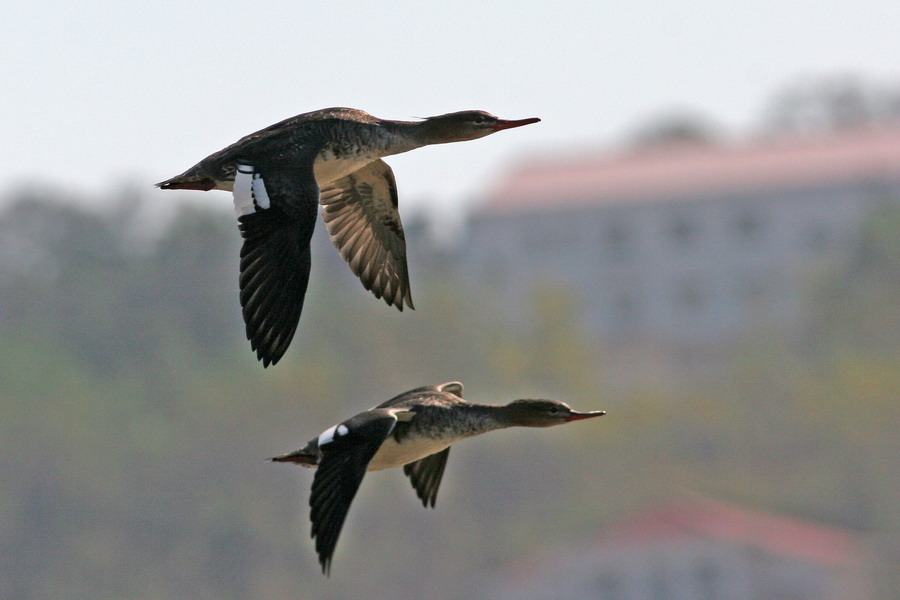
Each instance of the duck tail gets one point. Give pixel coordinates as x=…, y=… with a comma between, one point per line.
x=181, y=182
x=195, y=178
x=301, y=457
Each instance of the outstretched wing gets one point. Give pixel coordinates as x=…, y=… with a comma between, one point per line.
x=360, y=212
x=277, y=203
x=425, y=475
x=345, y=457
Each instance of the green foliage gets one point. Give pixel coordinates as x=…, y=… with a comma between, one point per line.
x=858, y=305
x=136, y=421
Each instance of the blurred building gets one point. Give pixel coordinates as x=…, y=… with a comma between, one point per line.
x=700, y=551
x=683, y=242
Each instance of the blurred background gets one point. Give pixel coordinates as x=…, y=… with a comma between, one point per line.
x=702, y=237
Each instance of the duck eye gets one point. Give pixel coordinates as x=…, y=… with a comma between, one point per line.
x=554, y=410
x=478, y=120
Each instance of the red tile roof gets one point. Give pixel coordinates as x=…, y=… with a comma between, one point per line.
x=708, y=519
x=677, y=170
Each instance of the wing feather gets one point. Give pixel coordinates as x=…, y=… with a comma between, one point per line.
x=275, y=256
x=360, y=212
x=338, y=476
x=425, y=475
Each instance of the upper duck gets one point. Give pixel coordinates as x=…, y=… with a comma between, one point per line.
x=280, y=174
x=413, y=430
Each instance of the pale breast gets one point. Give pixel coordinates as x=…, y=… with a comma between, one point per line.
x=392, y=455
x=328, y=168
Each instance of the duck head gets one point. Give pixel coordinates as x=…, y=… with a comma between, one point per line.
x=545, y=413
x=466, y=125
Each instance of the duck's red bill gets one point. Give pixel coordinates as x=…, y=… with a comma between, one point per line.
x=578, y=416
x=501, y=124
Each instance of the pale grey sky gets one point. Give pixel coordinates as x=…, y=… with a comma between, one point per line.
x=96, y=94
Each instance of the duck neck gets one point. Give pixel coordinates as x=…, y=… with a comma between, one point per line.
x=481, y=418
x=397, y=137
x=369, y=141
x=427, y=132
x=457, y=420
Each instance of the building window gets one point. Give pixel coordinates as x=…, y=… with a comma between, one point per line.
x=548, y=238
x=616, y=241
x=624, y=310
x=659, y=587
x=752, y=290
x=817, y=238
x=748, y=225
x=609, y=587
x=688, y=296
x=707, y=582
x=682, y=231
x=495, y=273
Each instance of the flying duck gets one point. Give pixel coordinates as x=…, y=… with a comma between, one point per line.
x=279, y=176
x=413, y=430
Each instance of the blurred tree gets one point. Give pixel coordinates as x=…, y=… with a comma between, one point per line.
x=676, y=126
x=136, y=421
x=857, y=303
x=824, y=103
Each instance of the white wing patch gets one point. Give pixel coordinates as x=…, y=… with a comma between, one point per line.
x=260, y=195
x=250, y=192
x=243, y=190
x=326, y=436
x=332, y=432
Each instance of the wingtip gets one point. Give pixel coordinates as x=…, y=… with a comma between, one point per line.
x=325, y=559
x=266, y=356
x=401, y=302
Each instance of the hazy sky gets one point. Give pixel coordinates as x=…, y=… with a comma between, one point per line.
x=97, y=94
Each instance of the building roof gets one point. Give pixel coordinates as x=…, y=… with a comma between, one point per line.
x=692, y=518
x=685, y=169
x=775, y=534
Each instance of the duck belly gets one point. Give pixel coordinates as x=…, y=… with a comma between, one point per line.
x=393, y=454
x=329, y=168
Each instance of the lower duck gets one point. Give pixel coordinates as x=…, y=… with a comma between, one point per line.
x=413, y=430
